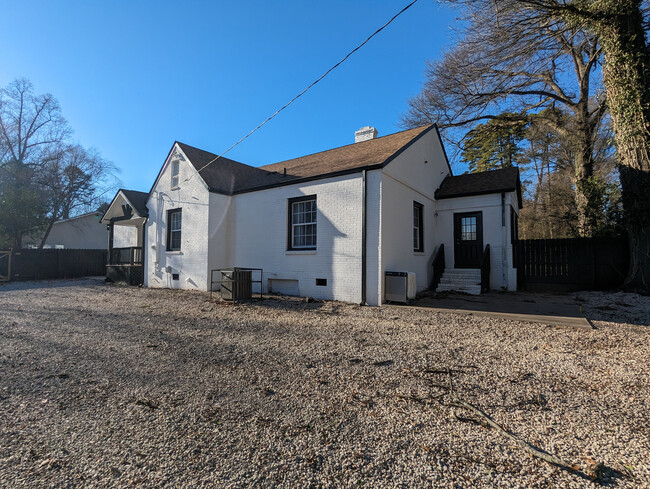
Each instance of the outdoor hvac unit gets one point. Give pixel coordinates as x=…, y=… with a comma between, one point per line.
x=399, y=286
x=236, y=284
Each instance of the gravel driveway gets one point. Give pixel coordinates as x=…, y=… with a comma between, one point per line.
x=108, y=386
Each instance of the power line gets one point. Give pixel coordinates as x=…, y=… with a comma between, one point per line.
x=311, y=85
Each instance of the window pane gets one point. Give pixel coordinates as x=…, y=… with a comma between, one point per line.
x=176, y=240
x=303, y=224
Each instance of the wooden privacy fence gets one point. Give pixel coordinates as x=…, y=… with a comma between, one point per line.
x=53, y=264
x=565, y=265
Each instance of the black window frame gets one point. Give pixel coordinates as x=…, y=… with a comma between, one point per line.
x=168, y=245
x=514, y=225
x=290, y=223
x=420, y=227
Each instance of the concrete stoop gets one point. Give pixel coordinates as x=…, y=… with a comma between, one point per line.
x=467, y=280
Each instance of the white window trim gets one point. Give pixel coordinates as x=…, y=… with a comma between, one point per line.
x=175, y=174
x=291, y=247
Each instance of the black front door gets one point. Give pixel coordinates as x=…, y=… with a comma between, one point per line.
x=468, y=239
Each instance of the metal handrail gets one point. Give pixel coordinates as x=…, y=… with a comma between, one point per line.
x=485, y=270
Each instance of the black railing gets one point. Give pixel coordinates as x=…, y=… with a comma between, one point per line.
x=485, y=270
x=438, y=266
x=126, y=256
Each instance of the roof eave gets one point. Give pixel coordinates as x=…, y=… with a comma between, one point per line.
x=478, y=192
x=322, y=176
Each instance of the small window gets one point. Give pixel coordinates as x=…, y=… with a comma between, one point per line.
x=175, y=169
x=175, y=276
x=302, y=223
x=321, y=282
x=418, y=227
x=174, y=221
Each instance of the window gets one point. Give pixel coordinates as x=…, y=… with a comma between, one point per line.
x=418, y=227
x=302, y=223
x=468, y=228
x=174, y=219
x=175, y=169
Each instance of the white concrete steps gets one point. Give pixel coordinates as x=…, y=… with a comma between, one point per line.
x=467, y=280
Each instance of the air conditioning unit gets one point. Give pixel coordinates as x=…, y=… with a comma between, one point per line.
x=399, y=287
x=236, y=284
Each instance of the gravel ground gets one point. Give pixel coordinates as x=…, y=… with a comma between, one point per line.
x=109, y=386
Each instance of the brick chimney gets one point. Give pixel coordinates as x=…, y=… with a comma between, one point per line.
x=364, y=134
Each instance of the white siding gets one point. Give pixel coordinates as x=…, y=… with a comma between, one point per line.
x=260, y=237
x=191, y=262
x=374, y=273
x=413, y=176
x=83, y=232
x=220, y=232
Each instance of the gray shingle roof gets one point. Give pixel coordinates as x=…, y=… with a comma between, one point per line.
x=487, y=182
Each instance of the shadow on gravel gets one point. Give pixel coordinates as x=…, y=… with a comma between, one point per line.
x=50, y=284
x=553, y=309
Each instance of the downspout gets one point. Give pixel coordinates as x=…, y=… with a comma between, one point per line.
x=110, y=242
x=145, y=250
x=504, y=241
x=364, y=198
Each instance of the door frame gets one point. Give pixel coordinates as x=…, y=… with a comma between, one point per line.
x=460, y=263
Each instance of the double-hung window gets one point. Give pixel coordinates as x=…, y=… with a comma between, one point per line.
x=302, y=223
x=418, y=227
x=174, y=221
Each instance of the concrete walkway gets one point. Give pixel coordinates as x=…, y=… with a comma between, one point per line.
x=552, y=309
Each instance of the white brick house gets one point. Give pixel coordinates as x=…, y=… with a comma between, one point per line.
x=327, y=225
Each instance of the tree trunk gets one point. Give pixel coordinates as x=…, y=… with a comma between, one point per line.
x=636, y=204
x=584, y=172
x=47, y=233
x=625, y=71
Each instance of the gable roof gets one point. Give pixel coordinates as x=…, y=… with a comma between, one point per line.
x=224, y=175
x=231, y=177
x=487, y=182
x=138, y=200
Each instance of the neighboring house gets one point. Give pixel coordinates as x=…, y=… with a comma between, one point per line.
x=328, y=225
x=80, y=232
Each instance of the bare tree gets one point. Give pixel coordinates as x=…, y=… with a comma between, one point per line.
x=75, y=179
x=43, y=177
x=30, y=125
x=499, y=67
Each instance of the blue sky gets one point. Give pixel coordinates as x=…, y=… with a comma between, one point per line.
x=133, y=77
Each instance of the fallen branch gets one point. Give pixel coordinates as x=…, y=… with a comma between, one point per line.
x=535, y=452
x=594, y=470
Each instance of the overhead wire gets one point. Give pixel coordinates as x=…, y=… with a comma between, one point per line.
x=310, y=86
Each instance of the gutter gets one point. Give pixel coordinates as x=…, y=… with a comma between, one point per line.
x=364, y=205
